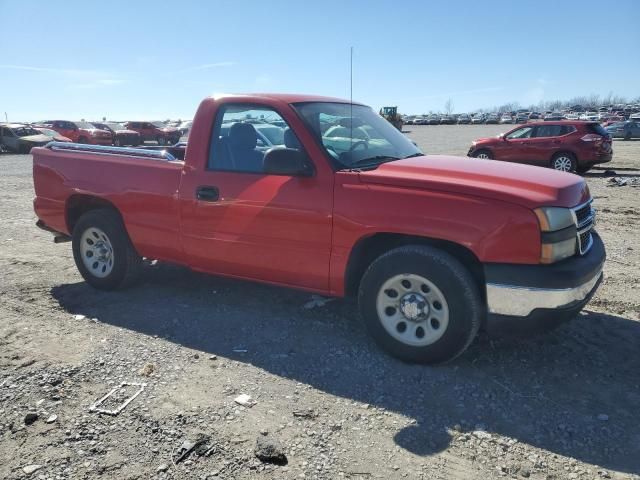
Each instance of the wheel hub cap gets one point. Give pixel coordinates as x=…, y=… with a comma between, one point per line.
x=97, y=252
x=414, y=307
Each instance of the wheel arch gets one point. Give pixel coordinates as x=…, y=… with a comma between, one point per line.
x=368, y=248
x=79, y=204
x=560, y=151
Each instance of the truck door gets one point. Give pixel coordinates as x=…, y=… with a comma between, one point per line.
x=239, y=221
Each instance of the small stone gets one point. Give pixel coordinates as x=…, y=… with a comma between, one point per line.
x=51, y=419
x=244, y=400
x=147, y=370
x=213, y=357
x=603, y=417
x=29, y=469
x=269, y=450
x=163, y=467
x=79, y=317
x=30, y=417
x=525, y=472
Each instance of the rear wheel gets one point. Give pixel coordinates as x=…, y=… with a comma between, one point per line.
x=103, y=251
x=117, y=142
x=564, y=162
x=483, y=154
x=83, y=140
x=161, y=140
x=420, y=304
x=627, y=136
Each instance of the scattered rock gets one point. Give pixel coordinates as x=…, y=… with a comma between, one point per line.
x=29, y=469
x=269, y=450
x=316, y=302
x=147, y=370
x=51, y=419
x=244, y=400
x=30, y=418
x=213, y=357
x=79, y=317
x=163, y=467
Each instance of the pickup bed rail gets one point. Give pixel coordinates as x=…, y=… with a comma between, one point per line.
x=109, y=150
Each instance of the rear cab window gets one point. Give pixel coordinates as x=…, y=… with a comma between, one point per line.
x=597, y=128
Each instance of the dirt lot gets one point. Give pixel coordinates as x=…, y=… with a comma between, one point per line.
x=555, y=406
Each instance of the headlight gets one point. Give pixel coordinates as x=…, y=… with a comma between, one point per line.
x=554, y=218
x=558, y=233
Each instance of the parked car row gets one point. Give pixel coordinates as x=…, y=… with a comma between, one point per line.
x=603, y=115
x=21, y=137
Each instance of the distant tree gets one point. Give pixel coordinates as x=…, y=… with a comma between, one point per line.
x=448, y=106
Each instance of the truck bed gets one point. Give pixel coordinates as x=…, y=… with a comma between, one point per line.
x=142, y=185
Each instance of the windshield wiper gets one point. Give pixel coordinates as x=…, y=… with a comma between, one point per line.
x=419, y=154
x=372, y=161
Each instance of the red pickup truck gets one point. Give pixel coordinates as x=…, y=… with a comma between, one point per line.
x=339, y=203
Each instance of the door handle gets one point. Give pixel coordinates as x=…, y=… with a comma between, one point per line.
x=208, y=194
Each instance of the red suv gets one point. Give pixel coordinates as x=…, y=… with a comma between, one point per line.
x=80, y=132
x=562, y=145
x=155, y=131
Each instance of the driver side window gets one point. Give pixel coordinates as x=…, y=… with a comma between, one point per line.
x=243, y=133
x=524, y=132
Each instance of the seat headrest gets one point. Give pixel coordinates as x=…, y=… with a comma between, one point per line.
x=290, y=139
x=243, y=136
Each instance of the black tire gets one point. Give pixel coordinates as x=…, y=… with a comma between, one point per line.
x=583, y=168
x=161, y=141
x=126, y=261
x=482, y=151
x=117, y=142
x=83, y=140
x=627, y=136
x=461, y=293
x=562, y=158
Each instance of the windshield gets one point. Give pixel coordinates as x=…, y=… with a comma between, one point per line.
x=85, y=125
x=47, y=132
x=25, y=131
x=354, y=135
x=158, y=124
x=115, y=126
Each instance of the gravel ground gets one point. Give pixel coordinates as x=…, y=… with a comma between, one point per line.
x=554, y=406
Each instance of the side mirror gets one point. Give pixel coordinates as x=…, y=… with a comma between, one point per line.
x=288, y=162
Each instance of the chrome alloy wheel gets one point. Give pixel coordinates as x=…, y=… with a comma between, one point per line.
x=562, y=163
x=412, y=310
x=97, y=252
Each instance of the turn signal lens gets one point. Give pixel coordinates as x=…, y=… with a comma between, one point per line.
x=554, y=252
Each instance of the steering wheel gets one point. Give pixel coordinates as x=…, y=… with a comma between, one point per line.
x=358, y=143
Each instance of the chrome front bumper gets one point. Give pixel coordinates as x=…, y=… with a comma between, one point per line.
x=520, y=301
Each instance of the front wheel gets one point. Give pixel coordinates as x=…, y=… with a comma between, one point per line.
x=103, y=251
x=483, y=154
x=420, y=304
x=564, y=162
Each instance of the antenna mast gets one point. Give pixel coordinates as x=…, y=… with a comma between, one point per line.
x=351, y=96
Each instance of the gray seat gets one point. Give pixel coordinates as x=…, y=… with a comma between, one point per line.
x=242, y=143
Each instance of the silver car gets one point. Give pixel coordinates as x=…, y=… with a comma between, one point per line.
x=19, y=138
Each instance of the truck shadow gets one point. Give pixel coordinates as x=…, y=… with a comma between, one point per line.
x=546, y=391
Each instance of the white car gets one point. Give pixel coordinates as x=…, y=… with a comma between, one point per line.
x=506, y=118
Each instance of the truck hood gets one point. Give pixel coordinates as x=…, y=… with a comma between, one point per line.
x=524, y=185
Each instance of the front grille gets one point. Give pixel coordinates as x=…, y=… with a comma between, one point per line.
x=584, y=216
